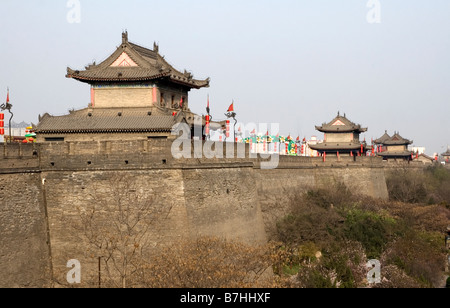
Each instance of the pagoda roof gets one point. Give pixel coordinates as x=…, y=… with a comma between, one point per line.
x=334, y=146
x=382, y=139
x=134, y=63
x=341, y=124
x=395, y=154
x=120, y=120
x=114, y=120
x=397, y=140
x=447, y=153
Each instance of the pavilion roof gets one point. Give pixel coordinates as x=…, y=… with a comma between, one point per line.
x=97, y=120
x=341, y=124
x=382, y=139
x=133, y=63
x=396, y=139
x=334, y=146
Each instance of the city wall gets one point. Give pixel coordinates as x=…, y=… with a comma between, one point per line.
x=43, y=188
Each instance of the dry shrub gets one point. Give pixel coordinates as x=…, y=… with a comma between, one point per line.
x=433, y=218
x=430, y=185
x=420, y=255
x=394, y=277
x=313, y=216
x=211, y=263
x=407, y=185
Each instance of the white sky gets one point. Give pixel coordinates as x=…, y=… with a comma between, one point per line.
x=292, y=62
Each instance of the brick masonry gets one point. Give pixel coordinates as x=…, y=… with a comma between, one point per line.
x=43, y=188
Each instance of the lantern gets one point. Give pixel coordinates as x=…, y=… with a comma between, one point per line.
x=2, y=124
x=228, y=129
x=2, y=116
x=2, y=131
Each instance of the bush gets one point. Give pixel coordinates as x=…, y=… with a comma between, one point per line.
x=420, y=255
x=342, y=266
x=209, y=263
x=370, y=229
x=407, y=186
x=348, y=230
x=425, y=186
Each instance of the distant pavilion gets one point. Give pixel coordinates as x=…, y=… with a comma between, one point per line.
x=446, y=155
x=341, y=137
x=393, y=148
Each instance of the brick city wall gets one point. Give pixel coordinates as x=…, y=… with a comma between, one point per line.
x=44, y=187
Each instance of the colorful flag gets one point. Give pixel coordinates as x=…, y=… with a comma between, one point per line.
x=231, y=108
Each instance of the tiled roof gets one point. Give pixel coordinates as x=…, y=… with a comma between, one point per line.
x=397, y=140
x=447, y=153
x=382, y=139
x=150, y=65
x=341, y=124
x=106, y=121
x=334, y=146
x=395, y=154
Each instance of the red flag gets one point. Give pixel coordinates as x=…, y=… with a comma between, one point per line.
x=253, y=132
x=208, y=110
x=231, y=108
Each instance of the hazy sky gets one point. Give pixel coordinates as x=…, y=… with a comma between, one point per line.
x=291, y=62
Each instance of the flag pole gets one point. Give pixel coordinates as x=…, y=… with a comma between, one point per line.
x=231, y=114
x=8, y=106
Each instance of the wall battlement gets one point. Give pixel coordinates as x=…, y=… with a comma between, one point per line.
x=156, y=154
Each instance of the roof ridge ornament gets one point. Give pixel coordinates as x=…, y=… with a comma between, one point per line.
x=155, y=47
x=125, y=37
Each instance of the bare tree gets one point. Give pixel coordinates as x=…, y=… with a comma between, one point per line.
x=115, y=222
